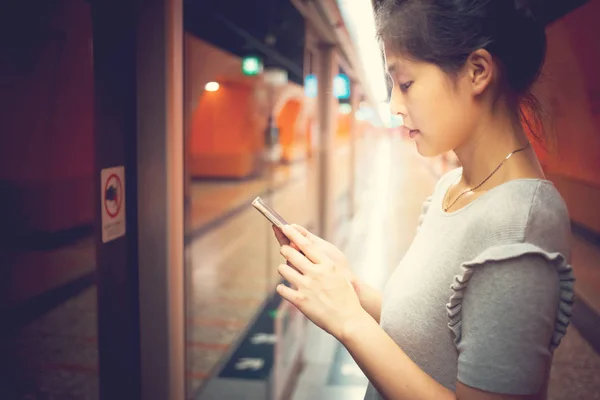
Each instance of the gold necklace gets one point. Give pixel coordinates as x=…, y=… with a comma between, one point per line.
x=486, y=179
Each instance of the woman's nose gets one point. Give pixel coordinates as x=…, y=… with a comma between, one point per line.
x=397, y=106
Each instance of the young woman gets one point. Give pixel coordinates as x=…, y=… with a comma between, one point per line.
x=482, y=298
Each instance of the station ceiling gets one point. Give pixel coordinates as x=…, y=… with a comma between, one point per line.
x=272, y=29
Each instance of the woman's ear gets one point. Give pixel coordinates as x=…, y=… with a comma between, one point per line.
x=481, y=70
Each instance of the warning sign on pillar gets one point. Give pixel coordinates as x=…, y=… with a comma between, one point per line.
x=112, y=203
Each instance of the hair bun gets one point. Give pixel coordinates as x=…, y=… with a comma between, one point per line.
x=529, y=41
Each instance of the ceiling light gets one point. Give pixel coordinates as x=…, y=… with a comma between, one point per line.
x=211, y=87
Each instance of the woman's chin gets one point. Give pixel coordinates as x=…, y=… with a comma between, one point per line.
x=425, y=150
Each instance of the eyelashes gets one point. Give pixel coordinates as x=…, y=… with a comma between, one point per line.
x=404, y=86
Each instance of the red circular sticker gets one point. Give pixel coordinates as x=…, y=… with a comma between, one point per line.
x=113, y=195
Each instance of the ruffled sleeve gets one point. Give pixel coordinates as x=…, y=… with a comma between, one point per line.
x=508, y=311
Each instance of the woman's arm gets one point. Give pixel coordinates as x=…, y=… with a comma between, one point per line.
x=394, y=374
x=369, y=297
x=389, y=369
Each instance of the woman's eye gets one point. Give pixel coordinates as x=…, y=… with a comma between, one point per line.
x=404, y=86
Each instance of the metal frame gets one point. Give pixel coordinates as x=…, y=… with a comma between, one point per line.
x=138, y=62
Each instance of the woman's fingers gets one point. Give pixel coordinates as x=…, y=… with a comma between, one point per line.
x=306, y=233
x=281, y=238
x=301, y=229
x=284, y=241
x=291, y=295
x=296, y=259
x=291, y=275
x=309, y=235
x=306, y=246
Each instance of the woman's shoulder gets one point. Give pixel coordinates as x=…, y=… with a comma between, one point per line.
x=548, y=214
x=525, y=210
x=534, y=211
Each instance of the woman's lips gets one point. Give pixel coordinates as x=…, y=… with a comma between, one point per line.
x=410, y=132
x=413, y=132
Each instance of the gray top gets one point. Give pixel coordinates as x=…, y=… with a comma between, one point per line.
x=483, y=295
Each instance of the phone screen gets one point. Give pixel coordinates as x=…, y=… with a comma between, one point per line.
x=268, y=212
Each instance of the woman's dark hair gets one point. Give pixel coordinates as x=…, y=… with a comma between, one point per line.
x=446, y=32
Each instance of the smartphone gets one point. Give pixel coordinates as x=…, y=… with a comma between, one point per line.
x=268, y=212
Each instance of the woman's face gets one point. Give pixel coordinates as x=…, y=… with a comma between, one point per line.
x=437, y=109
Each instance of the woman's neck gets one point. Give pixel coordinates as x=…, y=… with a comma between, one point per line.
x=494, y=138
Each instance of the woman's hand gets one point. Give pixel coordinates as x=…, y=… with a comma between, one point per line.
x=321, y=290
x=369, y=297
x=327, y=248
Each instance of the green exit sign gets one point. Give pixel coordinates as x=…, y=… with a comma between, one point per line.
x=252, y=65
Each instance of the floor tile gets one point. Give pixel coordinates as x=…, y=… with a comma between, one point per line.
x=574, y=383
